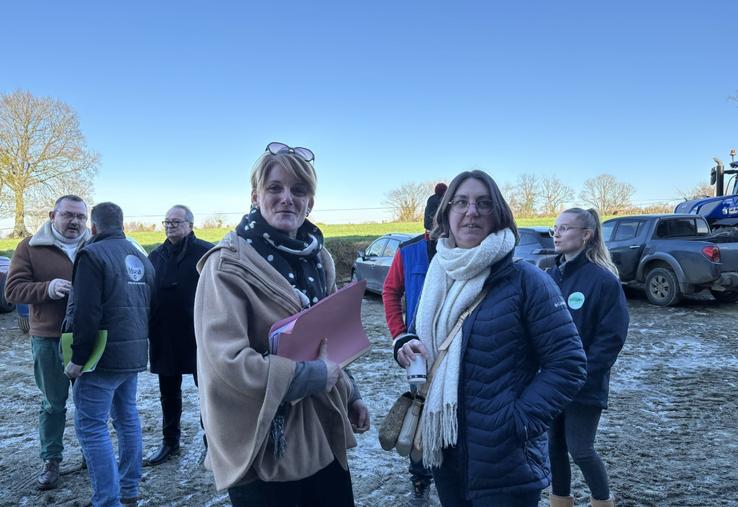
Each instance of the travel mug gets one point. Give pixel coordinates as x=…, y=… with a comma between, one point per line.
x=417, y=370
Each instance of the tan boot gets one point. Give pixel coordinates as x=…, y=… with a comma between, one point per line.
x=603, y=503
x=560, y=501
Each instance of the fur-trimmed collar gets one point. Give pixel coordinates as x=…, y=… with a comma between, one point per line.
x=44, y=236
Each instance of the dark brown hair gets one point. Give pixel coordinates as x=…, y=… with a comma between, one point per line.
x=68, y=197
x=107, y=217
x=502, y=216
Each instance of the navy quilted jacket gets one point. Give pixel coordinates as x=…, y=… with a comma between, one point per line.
x=600, y=312
x=522, y=362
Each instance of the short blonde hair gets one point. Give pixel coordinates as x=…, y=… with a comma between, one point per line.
x=290, y=163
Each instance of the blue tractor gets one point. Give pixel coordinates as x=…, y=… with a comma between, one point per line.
x=720, y=211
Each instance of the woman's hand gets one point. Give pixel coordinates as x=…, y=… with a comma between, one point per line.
x=407, y=352
x=359, y=416
x=333, y=371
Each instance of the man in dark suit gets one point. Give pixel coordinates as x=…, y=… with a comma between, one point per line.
x=171, y=330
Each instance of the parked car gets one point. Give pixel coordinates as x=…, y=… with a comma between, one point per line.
x=373, y=263
x=535, y=246
x=22, y=318
x=5, y=307
x=671, y=255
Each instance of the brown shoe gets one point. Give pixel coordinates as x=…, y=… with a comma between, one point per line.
x=560, y=501
x=603, y=503
x=50, y=476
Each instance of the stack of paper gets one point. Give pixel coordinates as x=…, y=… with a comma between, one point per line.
x=336, y=318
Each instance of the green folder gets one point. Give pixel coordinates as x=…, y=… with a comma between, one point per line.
x=97, y=349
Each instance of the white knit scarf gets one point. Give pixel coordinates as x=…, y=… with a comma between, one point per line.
x=455, y=278
x=67, y=245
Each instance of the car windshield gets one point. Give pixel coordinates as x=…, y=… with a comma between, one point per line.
x=546, y=240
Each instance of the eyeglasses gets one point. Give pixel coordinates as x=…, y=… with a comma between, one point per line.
x=67, y=215
x=484, y=206
x=561, y=229
x=173, y=223
x=280, y=148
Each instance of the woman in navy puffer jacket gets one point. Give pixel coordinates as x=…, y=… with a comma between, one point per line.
x=589, y=283
x=516, y=362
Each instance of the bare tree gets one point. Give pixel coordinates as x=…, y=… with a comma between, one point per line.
x=215, y=221
x=554, y=194
x=702, y=189
x=527, y=190
x=42, y=152
x=408, y=201
x=607, y=194
x=510, y=194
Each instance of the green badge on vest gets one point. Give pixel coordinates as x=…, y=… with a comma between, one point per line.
x=576, y=300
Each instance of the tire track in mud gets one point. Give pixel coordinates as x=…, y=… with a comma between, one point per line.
x=667, y=438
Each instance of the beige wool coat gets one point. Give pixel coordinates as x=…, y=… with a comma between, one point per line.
x=239, y=296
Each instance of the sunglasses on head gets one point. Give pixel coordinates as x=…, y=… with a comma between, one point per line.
x=281, y=148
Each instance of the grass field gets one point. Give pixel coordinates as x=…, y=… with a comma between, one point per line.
x=350, y=232
x=342, y=240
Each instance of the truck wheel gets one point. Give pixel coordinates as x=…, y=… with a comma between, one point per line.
x=662, y=287
x=5, y=307
x=23, y=324
x=725, y=296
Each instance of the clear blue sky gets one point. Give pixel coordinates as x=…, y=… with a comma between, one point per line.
x=180, y=98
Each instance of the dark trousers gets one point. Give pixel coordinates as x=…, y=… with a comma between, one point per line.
x=450, y=487
x=573, y=432
x=416, y=468
x=170, y=389
x=329, y=487
x=419, y=472
x=54, y=386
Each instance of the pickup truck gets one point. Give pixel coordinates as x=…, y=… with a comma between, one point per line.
x=672, y=255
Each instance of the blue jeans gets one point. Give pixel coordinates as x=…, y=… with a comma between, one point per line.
x=573, y=432
x=54, y=385
x=98, y=396
x=450, y=487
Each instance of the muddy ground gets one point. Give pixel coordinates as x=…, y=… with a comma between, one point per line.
x=670, y=437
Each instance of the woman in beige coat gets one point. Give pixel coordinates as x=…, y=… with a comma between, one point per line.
x=277, y=429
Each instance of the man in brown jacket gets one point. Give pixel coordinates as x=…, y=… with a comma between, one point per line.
x=40, y=275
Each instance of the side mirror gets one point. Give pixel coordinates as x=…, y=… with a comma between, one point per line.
x=360, y=253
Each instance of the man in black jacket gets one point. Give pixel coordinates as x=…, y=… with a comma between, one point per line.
x=171, y=331
x=111, y=291
x=431, y=206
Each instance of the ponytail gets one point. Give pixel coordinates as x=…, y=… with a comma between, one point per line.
x=595, y=249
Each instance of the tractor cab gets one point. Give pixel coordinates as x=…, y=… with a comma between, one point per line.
x=721, y=210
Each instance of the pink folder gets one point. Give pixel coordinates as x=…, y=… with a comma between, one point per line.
x=336, y=317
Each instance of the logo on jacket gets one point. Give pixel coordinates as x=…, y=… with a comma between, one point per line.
x=135, y=268
x=576, y=300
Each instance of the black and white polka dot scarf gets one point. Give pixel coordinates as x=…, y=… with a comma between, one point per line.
x=296, y=259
